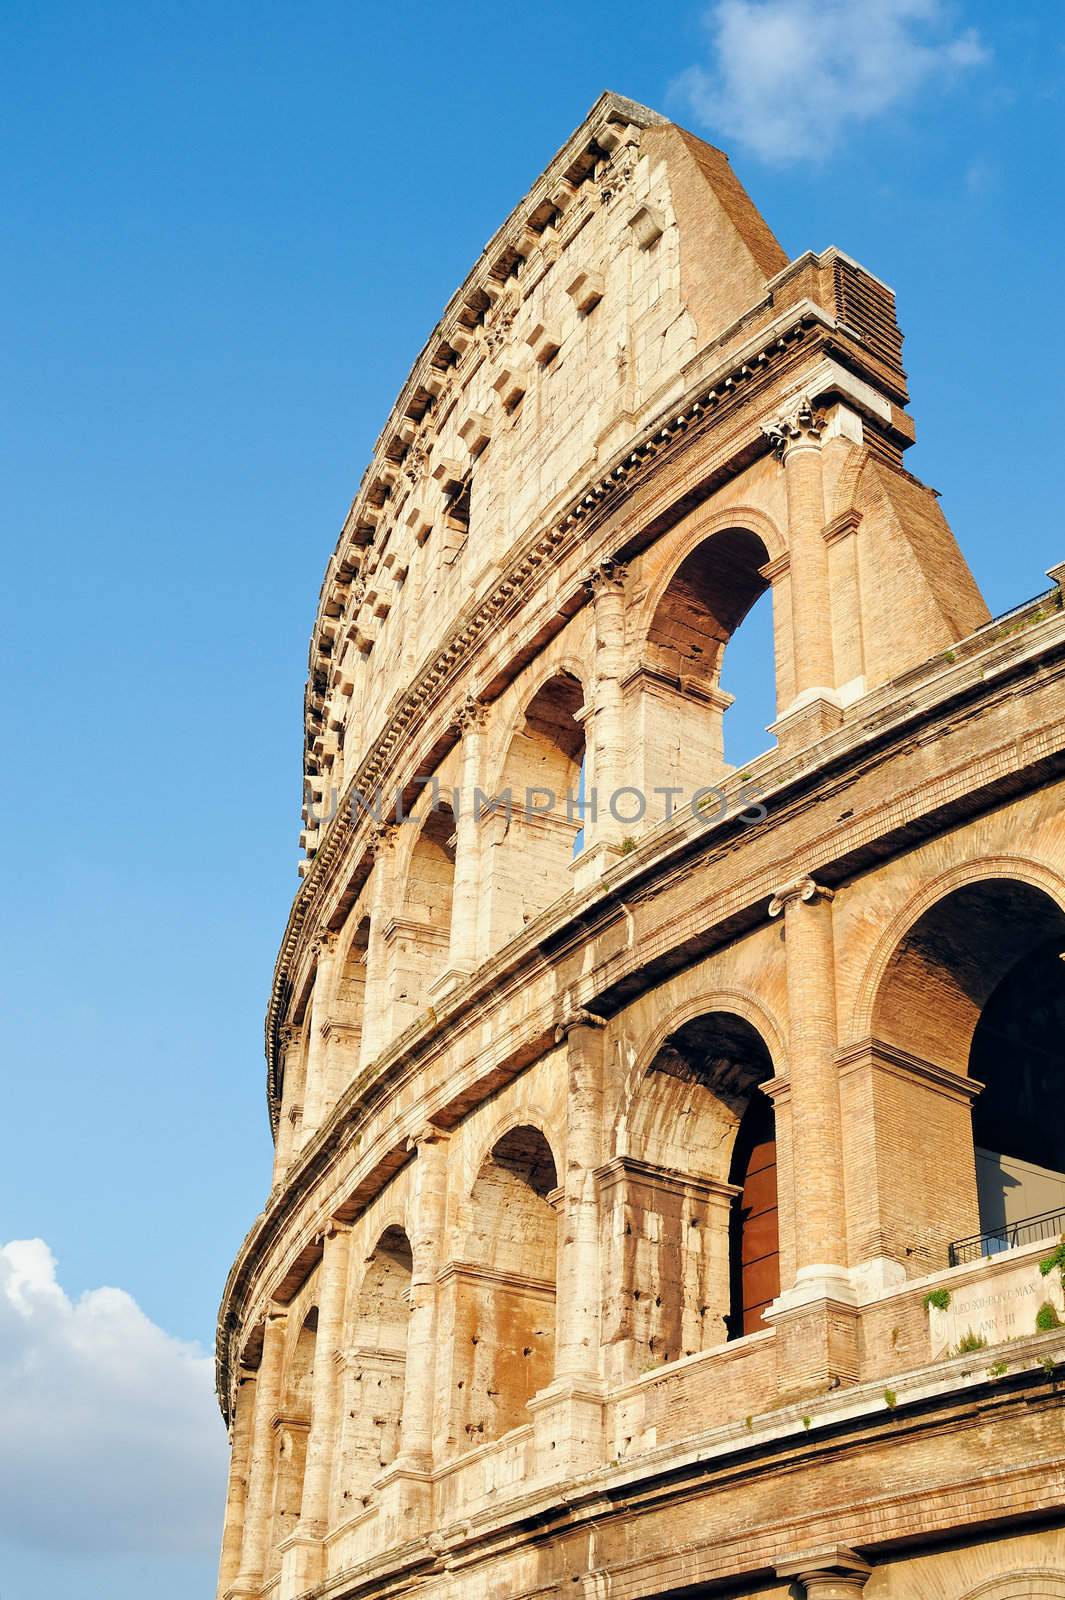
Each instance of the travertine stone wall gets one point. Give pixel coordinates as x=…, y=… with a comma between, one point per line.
x=557, y=1094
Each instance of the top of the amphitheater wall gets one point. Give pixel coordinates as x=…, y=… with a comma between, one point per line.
x=634, y=255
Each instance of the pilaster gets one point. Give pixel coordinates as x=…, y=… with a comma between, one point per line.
x=290, y=1118
x=258, y=1514
x=467, y=942
x=605, y=768
x=315, y=1097
x=815, y=1316
x=237, y=1486
x=376, y=1021
x=795, y=438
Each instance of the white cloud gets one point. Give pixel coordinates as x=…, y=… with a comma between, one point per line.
x=111, y=1441
x=788, y=77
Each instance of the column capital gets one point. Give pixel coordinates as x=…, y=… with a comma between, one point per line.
x=325, y=943
x=471, y=714
x=380, y=839
x=832, y=1572
x=289, y=1034
x=333, y=1229
x=578, y=1018
x=799, y=889
x=800, y=427
x=606, y=577
x=428, y=1134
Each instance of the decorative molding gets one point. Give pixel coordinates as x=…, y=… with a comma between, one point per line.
x=620, y=1168
x=777, y=567
x=847, y=522
x=477, y=1272
x=901, y=1063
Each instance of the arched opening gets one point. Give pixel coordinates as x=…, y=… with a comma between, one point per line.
x=372, y=1409
x=291, y=1430
x=677, y=698
x=421, y=935
x=691, y=1204
x=504, y=1314
x=350, y=1000
x=754, y=1237
x=748, y=674
x=534, y=827
x=977, y=986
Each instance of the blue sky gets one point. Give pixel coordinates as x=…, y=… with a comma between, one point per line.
x=229, y=229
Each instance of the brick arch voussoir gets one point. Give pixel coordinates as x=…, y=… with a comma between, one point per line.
x=1015, y=868
x=532, y=1116
x=738, y=1002
x=703, y=527
x=1029, y=1583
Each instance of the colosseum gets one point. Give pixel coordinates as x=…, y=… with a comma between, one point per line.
x=670, y=1166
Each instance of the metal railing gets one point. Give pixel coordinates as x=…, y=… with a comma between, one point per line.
x=1047, y=1225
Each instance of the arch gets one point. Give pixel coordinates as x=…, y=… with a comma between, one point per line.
x=1028, y=1583
x=741, y=1002
x=503, y=1287
x=532, y=1116
x=349, y=995
x=422, y=930
x=535, y=680
x=375, y=1370
x=703, y=525
x=1021, y=868
x=532, y=834
x=969, y=982
x=690, y=1214
x=704, y=599
x=675, y=700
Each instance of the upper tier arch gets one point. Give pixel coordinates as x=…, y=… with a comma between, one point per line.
x=635, y=249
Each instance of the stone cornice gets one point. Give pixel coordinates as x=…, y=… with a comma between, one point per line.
x=903, y=1064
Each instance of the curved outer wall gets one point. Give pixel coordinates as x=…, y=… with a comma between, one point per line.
x=622, y=1158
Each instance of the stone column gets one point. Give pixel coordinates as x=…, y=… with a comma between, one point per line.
x=568, y=1414
x=577, y=1311
x=820, y=1245
x=240, y=1437
x=315, y=1099
x=796, y=440
x=466, y=943
x=816, y=1156
x=258, y=1513
x=428, y=1228
x=290, y=1119
x=376, y=1017
x=303, y=1564
x=834, y=1573
x=605, y=768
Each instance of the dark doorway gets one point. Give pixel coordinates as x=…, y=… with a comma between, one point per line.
x=754, y=1249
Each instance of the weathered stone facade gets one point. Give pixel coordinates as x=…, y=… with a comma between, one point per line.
x=629, y=1167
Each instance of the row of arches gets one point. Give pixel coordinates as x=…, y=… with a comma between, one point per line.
x=697, y=1234
x=456, y=894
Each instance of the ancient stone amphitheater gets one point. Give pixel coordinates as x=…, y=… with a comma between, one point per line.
x=670, y=1164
